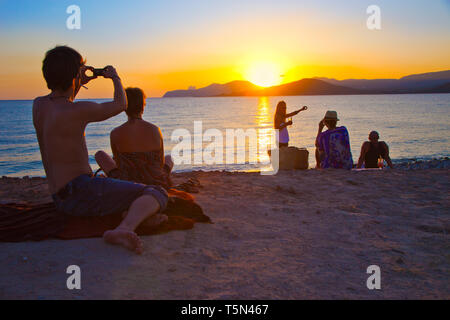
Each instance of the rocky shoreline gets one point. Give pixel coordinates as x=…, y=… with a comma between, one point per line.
x=415, y=164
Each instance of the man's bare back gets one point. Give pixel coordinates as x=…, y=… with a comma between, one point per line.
x=61, y=139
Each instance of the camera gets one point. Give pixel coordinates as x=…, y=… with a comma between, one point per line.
x=99, y=72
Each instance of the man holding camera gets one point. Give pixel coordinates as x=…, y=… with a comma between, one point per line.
x=60, y=125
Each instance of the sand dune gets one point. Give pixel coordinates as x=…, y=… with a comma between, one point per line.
x=298, y=235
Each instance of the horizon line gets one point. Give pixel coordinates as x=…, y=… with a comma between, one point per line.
x=262, y=87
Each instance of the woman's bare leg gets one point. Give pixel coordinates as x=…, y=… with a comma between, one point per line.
x=106, y=163
x=168, y=162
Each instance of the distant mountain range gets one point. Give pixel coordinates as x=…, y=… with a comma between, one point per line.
x=433, y=82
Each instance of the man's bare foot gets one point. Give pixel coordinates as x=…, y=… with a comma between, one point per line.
x=125, y=238
x=155, y=220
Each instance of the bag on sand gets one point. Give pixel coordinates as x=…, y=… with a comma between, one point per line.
x=293, y=158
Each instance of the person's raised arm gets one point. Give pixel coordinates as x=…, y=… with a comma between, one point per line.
x=95, y=112
x=364, y=149
x=296, y=112
x=321, y=126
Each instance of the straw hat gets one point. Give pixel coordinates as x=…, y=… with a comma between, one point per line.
x=331, y=115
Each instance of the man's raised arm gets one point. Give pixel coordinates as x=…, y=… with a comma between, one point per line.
x=94, y=112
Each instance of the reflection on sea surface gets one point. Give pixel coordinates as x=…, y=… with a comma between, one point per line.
x=414, y=126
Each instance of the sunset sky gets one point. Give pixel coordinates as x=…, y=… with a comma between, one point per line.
x=167, y=45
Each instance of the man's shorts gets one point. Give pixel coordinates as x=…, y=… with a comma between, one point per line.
x=94, y=196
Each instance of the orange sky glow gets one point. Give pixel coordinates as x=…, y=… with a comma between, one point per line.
x=265, y=48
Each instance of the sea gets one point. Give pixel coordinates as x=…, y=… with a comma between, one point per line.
x=415, y=126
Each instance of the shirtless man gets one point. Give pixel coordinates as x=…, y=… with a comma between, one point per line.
x=372, y=151
x=60, y=124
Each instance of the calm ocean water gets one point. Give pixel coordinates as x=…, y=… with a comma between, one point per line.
x=414, y=126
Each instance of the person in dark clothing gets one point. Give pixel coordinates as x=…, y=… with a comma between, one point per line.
x=372, y=151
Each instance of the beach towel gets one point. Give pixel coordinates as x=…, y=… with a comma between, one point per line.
x=23, y=222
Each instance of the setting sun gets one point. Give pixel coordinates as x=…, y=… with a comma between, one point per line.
x=264, y=74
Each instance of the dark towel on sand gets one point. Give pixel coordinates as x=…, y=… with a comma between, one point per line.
x=19, y=222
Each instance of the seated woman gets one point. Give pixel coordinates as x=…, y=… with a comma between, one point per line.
x=281, y=124
x=137, y=147
x=333, y=145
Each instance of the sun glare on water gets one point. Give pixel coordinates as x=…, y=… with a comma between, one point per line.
x=264, y=74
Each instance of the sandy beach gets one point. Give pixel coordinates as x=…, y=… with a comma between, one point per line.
x=298, y=235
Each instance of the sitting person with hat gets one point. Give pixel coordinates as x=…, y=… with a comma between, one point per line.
x=373, y=151
x=333, y=145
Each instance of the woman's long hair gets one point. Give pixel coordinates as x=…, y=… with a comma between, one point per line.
x=280, y=114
